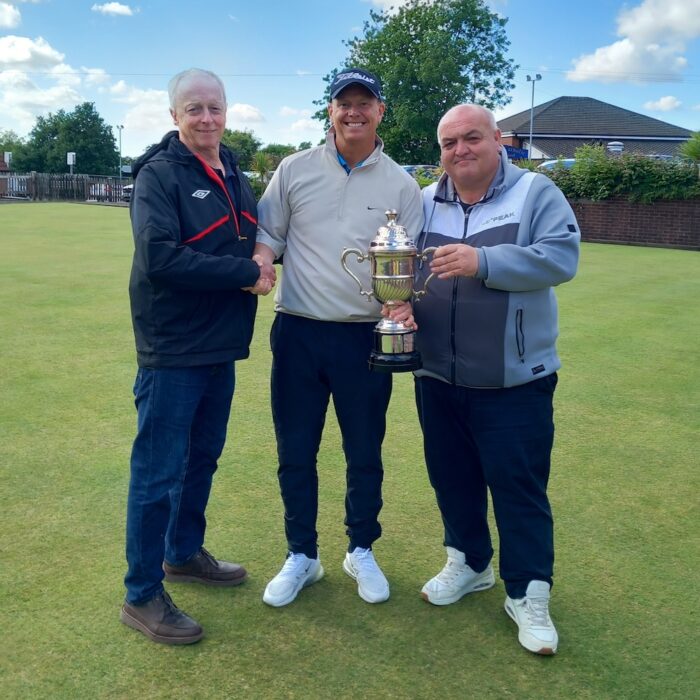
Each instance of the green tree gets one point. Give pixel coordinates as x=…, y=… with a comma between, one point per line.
x=262, y=164
x=304, y=146
x=12, y=143
x=278, y=151
x=81, y=131
x=430, y=56
x=691, y=148
x=244, y=144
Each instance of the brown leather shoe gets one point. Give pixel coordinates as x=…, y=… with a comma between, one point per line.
x=203, y=568
x=162, y=621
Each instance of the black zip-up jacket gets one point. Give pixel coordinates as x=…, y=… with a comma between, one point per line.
x=192, y=250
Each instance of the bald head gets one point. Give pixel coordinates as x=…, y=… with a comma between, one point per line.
x=470, y=149
x=467, y=110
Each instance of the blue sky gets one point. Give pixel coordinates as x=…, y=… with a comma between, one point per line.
x=643, y=55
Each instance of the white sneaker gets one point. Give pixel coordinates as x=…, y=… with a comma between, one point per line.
x=455, y=580
x=298, y=572
x=536, y=630
x=372, y=585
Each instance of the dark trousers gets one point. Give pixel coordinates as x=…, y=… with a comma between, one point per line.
x=182, y=418
x=312, y=361
x=500, y=440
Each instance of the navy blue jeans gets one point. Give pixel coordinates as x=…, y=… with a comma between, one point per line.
x=182, y=418
x=500, y=440
x=313, y=360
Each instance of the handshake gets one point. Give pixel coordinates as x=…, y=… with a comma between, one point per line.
x=267, y=278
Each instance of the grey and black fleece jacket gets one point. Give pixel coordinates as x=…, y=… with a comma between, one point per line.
x=498, y=329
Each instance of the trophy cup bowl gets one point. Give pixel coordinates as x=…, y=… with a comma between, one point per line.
x=392, y=257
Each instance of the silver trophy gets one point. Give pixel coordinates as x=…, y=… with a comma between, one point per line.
x=392, y=256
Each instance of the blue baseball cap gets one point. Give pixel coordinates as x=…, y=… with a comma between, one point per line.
x=356, y=76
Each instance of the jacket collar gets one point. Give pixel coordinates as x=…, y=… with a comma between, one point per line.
x=445, y=190
x=371, y=158
x=172, y=149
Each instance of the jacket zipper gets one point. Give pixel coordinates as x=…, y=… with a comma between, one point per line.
x=453, y=311
x=520, y=335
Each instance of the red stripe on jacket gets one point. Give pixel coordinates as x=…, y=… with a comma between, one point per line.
x=214, y=176
x=209, y=229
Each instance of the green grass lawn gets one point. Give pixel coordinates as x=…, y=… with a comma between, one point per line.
x=624, y=490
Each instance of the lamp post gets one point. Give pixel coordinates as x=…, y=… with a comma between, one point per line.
x=532, y=109
x=119, y=128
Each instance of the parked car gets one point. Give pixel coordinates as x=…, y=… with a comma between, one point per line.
x=551, y=164
x=430, y=171
x=126, y=193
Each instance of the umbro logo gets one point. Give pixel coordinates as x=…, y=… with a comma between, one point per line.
x=201, y=194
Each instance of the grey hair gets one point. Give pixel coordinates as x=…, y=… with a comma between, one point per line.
x=176, y=82
x=489, y=115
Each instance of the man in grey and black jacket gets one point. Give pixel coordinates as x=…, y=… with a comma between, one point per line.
x=487, y=332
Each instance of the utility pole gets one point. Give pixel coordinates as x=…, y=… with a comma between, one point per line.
x=119, y=128
x=532, y=109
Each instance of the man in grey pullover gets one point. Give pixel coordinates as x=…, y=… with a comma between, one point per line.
x=318, y=202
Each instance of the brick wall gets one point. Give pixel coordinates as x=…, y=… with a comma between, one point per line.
x=667, y=224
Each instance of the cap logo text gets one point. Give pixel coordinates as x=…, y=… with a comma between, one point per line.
x=354, y=76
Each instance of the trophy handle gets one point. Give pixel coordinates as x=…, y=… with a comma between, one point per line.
x=423, y=257
x=361, y=257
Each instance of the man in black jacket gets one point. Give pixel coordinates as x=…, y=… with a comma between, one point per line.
x=192, y=290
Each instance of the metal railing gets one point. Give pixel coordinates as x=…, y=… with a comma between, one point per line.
x=47, y=187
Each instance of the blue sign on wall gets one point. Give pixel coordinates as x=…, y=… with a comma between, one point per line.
x=515, y=153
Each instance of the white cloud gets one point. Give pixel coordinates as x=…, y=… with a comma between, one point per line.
x=244, y=114
x=9, y=16
x=387, y=4
x=147, y=118
x=305, y=125
x=21, y=100
x=95, y=76
x=133, y=96
x=64, y=74
x=28, y=54
x=114, y=9
x=14, y=79
x=150, y=115
x=653, y=41
x=286, y=111
x=663, y=104
x=655, y=20
x=119, y=88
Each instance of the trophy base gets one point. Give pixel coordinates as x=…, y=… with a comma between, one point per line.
x=394, y=348
x=394, y=362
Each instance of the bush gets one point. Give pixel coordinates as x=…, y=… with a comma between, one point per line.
x=596, y=176
x=426, y=176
